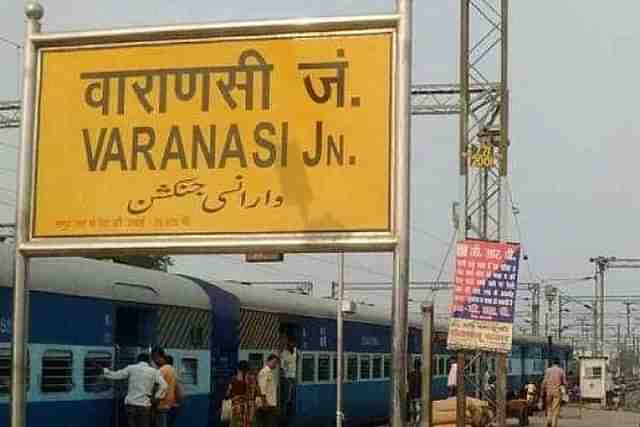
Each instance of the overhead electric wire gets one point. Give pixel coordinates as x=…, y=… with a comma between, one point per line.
x=8, y=191
x=6, y=144
x=267, y=269
x=11, y=42
x=533, y=277
x=569, y=282
x=430, y=234
x=447, y=254
x=351, y=267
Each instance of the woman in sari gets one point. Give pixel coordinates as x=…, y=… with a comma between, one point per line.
x=253, y=397
x=242, y=392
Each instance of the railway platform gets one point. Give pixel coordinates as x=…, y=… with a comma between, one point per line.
x=584, y=417
x=570, y=417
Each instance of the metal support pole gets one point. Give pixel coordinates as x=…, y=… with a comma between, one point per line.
x=501, y=390
x=340, y=343
x=503, y=229
x=400, y=301
x=535, y=309
x=602, y=268
x=427, y=361
x=583, y=330
x=501, y=377
x=464, y=180
x=546, y=323
x=460, y=392
x=34, y=13
x=628, y=336
x=559, y=318
x=464, y=120
x=594, y=346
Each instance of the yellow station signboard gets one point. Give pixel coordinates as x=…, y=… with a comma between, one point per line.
x=288, y=134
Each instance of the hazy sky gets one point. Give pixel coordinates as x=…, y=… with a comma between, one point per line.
x=573, y=71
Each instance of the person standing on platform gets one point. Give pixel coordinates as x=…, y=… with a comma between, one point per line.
x=452, y=380
x=530, y=392
x=168, y=402
x=267, y=414
x=554, y=380
x=142, y=381
x=415, y=391
x=243, y=391
x=289, y=362
x=173, y=412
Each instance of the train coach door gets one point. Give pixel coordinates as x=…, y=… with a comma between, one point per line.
x=135, y=330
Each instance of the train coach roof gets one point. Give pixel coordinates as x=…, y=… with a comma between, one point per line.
x=264, y=299
x=269, y=300
x=103, y=279
x=107, y=280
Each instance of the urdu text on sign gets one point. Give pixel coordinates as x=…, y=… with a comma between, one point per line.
x=283, y=135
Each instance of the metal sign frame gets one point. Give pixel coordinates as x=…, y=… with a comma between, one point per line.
x=176, y=243
x=396, y=239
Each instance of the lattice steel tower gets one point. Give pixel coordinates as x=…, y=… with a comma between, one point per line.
x=484, y=129
x=482, y=101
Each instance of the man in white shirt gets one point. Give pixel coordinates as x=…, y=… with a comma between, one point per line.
x=267, y=414
x=530, y=391
x=142, y=380
x=289, y=368
x=452, y=381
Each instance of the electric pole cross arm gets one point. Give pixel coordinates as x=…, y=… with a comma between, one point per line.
x=426, y=100
x=602, y=264
x=444, y=99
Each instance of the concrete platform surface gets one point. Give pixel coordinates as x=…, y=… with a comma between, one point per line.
x=590, y=418
x=585, y=417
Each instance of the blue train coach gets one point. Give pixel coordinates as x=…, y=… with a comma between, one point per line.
x=86, y=313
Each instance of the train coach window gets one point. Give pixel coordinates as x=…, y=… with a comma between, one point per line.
x=94, y=363
x=324, y=368
x=57, y=371
x=442, y=366
x=387, y=366
x=256, y=360
x=538, y=365
x=189, y=371
x=352, y=368
x=5, y=370
x=377, y=367
x=308, y=368
x=365, y=367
